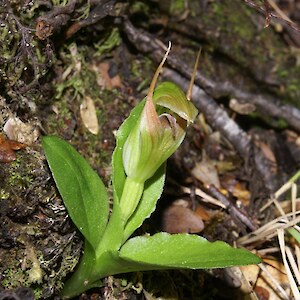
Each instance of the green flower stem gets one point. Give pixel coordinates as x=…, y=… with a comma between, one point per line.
x=131, y=195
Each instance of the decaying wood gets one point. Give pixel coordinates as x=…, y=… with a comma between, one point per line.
x=266, y=10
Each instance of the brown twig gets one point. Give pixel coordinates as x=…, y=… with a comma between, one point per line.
x=267, y=13
x=272, y=15
x=270, y=106
x=54, y=20
x=101, y=10
x=235, y=212
x=59, y=16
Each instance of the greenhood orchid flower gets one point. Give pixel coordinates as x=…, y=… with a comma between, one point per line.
x=156, y=136
x=158, y=132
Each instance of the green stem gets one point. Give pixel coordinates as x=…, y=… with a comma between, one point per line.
x=131, y=195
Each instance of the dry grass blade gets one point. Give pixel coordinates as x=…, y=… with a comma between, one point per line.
x=288, y=219
x=294, y=196
x=293, y=263
x=207, y=198
x=281, y=211
x=284, y=221
x=287, y=185
x=268, y=231
x=276, y=284
x=279, y=11
x=264, y=252
x=293, y=284
x=297, y=253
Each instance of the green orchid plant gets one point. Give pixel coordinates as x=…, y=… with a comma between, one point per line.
x=147, y=138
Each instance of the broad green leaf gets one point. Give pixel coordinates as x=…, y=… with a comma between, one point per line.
x=183, y=251
x=82, y=190
x=118, y=173
x=113, y=235
x=152, y=192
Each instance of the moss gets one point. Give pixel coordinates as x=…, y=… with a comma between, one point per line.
x=139, y=7
x=141, y=67
x=24, y=60
x=59, y=2
x=4, y=194
x=24, y=271
x=177, y=7
x=218, y=9
x=112, y=40
x=14, y=278
x=19, y=175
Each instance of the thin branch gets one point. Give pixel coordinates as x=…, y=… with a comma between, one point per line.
x=235, y=212
x=272, y=15
x=270, y=106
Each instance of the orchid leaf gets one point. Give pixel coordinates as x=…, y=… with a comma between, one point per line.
x=152, y=192
x=82, y=190
x=118, y=173
x=183, y=251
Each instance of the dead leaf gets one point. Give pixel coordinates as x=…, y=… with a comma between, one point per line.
x=276, y=269
x=17, y=130
x=206, y=172
x=8, y=148
x=268, y=153
x=262, y=293
x=180, y=219
x=240, y=107
x=105, y=79
x=202, y=213
x=236, y=188
x=88, y=115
